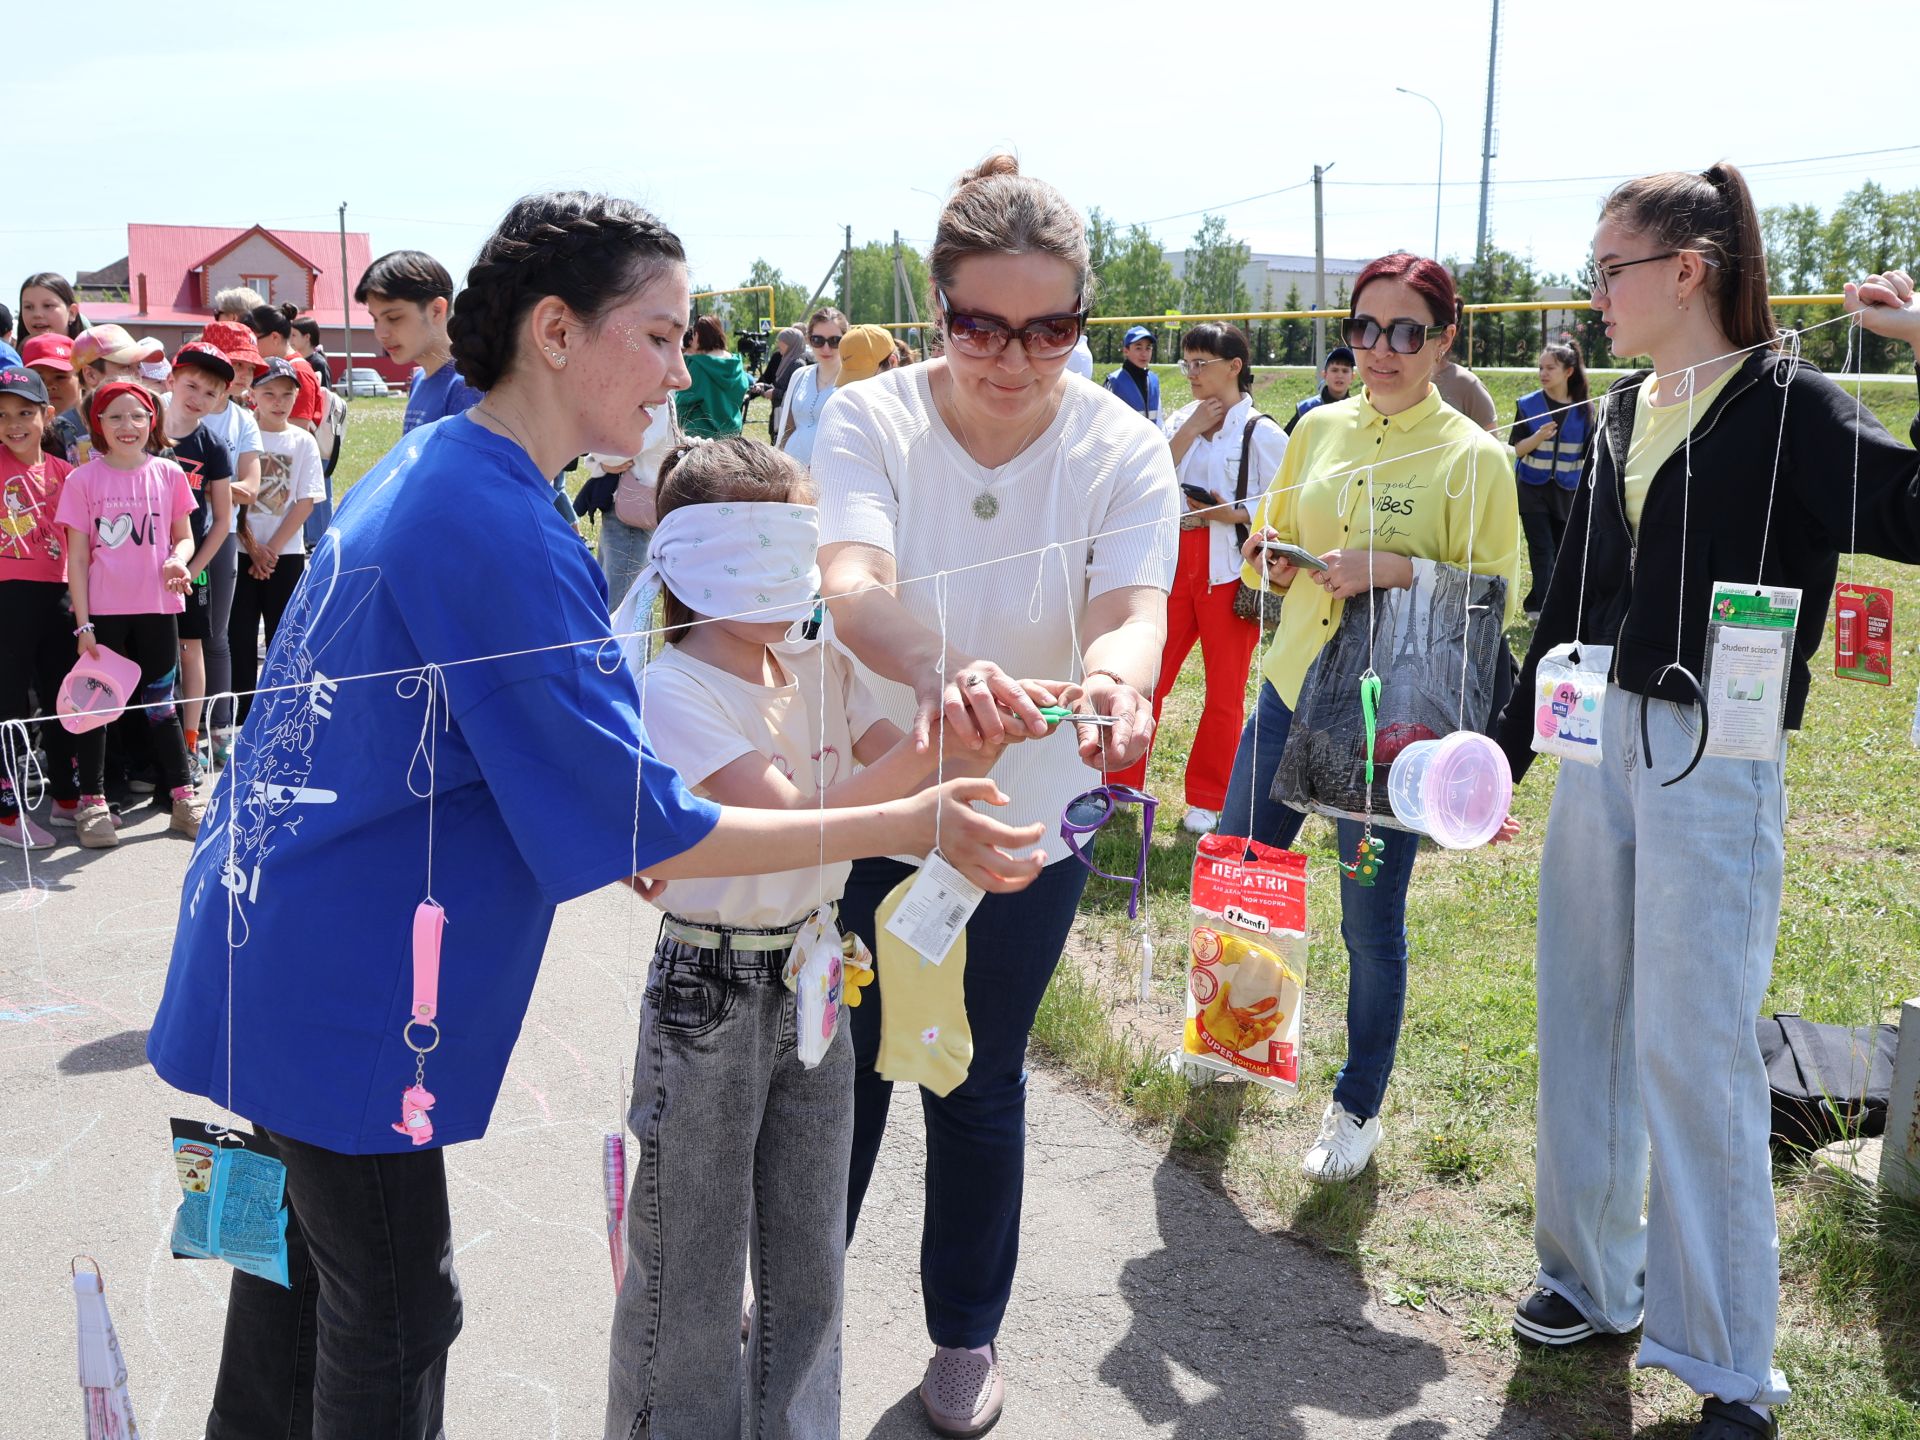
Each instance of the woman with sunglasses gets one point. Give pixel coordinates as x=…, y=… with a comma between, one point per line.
x=1661, y=876
x=928, y=476
x=1370, y=485
x=1226, y=456
x=811, y=387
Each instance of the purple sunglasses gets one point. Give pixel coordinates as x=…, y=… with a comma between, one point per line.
x=1087, y=812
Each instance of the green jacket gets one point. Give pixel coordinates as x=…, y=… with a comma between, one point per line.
x=714, y=403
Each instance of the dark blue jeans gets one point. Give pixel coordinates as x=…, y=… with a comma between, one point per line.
x=356, y=1347
x=976, y=1135
x=1373, y=919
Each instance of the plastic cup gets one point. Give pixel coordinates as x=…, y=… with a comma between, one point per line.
x=1456, y=789
x=96, y=690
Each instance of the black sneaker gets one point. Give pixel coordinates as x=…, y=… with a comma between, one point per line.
x=1722, y=1420
x=1547, y=1317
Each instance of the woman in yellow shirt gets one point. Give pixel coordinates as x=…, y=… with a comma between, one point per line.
x=1369, y=487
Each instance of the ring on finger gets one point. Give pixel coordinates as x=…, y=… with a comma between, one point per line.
x=973, y=682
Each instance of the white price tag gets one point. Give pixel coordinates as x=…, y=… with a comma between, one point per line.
x=936, y=909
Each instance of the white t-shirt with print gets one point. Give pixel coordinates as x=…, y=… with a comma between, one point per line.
x=700, y=719
x=235, y=428
x=1215, y=463
x=1097, y=486
x=290, y=471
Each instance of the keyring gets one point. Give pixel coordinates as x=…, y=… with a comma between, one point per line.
x=406, y=1034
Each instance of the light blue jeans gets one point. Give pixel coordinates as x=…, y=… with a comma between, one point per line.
x=1659, y=909
x=623, y=555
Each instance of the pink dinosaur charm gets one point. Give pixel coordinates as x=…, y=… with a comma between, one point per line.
x=414, y=1104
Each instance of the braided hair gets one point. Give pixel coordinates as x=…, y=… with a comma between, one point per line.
x=590, y=251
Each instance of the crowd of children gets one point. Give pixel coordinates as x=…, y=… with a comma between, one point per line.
x=132, y=484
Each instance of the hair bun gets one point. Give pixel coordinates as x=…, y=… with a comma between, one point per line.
x=998, y=163
x=290, y=310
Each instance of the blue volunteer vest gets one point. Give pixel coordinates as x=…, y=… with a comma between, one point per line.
x=1558, y=460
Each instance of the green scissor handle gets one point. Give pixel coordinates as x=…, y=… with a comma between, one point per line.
x=1369, y=711
x=1061, y=715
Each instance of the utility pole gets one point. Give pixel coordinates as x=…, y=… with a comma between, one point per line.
x=846, y=274
x=346, y=299
x=1486, y=137
x=896, y=277
x=1319, y=268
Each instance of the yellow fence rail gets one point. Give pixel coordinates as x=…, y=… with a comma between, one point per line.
x=1499, y=307
x=767, y=290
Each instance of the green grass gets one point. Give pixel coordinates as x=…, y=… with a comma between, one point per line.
x=1444, y=1220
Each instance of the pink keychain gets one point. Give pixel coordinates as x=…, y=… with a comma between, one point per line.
x=429, y=921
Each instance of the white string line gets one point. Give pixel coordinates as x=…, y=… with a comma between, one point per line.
x=1857, y=351
x=1784, y=379
x=940, y=717
x=599, y=643
x=427, y=747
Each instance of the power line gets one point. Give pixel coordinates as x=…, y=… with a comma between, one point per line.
x=1209, y=209
x=1624, y=175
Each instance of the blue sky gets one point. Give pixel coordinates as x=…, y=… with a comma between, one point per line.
x=428, y=120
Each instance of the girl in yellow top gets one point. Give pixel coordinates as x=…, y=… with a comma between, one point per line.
x=1439, y=490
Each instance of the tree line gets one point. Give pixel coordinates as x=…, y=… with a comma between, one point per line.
x=1872, y=229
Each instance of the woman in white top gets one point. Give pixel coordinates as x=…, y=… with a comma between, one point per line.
x=1227, y=453
x=813, y=386
x=991, y=453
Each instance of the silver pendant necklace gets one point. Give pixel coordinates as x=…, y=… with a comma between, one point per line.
x=986, y=504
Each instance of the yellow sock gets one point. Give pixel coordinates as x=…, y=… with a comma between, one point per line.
x=923, y=1008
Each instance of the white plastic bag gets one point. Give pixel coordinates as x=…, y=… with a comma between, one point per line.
x=1569, y=698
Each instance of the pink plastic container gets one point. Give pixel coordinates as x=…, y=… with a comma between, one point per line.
x=96, y=690
x=1456, y=789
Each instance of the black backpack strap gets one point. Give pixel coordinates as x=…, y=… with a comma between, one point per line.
x=1246, y=457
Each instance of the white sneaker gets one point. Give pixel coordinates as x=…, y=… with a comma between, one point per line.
x=1200, y=822
x=1345, y=1146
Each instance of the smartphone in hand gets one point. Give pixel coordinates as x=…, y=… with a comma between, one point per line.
x=1293, y=554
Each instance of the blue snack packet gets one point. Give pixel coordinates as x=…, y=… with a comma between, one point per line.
x=233, y=1203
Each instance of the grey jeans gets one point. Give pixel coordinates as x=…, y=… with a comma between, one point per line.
x=1659, y=909
x=742, y=1158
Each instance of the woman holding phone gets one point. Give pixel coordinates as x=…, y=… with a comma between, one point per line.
x=1368, y=486
x=1226, y=453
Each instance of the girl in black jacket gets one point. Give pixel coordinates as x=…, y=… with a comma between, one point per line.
x=1729, y=461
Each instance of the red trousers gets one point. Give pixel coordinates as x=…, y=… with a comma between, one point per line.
x=1203, y=612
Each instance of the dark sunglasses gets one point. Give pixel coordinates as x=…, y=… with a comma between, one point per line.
x=824, y=342
x=1045, y=337
x=1091, y=809
x=1404, y=337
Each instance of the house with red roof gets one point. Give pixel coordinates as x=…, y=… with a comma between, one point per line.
x=172, y=272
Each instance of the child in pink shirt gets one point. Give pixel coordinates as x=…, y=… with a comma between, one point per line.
x=125, y=513
x=34, y=643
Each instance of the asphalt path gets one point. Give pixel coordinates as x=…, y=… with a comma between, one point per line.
x=1146, y=1303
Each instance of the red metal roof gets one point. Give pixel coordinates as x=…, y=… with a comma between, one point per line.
x=167, y=255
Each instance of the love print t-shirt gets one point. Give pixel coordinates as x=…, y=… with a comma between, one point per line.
x=128, y=516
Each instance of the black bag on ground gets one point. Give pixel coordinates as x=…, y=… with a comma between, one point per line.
x=1827, y=1081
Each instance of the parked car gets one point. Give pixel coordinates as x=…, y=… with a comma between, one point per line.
x=362, y=381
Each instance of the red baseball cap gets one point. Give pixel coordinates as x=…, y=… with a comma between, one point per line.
x=54, y=352
x=207, y=357
x=236, y=342
x=105, y=396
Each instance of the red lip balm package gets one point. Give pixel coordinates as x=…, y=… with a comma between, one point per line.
x=1863, y=633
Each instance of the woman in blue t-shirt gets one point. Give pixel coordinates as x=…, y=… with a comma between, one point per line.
x=426, y=712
